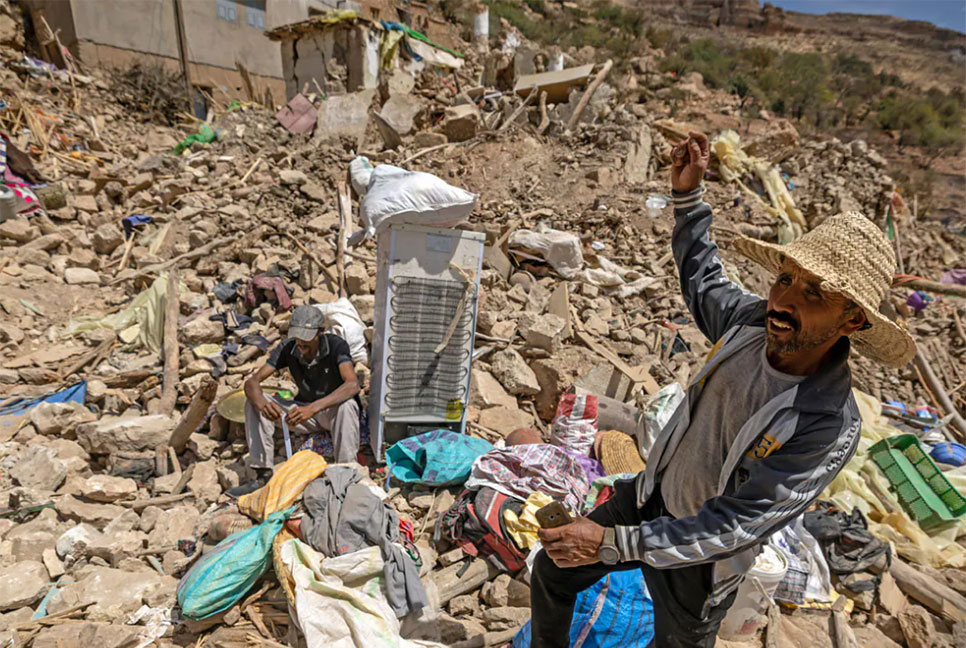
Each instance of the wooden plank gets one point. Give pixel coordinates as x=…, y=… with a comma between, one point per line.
x=169, y=383
x=449, y=582
x=637, y=374
x=140, y=505
x=195, y=414
x=588, y=95
x=557, y=84
x=941, y=599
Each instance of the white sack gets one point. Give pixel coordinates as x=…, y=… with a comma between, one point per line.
x=342, y=319
x=560, y=249
x=396, y=196
x=340, y=602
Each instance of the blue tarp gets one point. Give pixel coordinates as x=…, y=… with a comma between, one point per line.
x=614, y=612
x=13, y=414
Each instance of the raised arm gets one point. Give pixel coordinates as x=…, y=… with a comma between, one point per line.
x=715, y=302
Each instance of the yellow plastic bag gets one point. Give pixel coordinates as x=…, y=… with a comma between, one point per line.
x=288, y=482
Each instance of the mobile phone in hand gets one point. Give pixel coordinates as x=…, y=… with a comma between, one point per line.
x=553, y=515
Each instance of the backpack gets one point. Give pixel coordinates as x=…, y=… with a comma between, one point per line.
x=475, y=524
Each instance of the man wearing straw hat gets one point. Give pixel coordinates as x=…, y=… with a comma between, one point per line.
x=765, y=426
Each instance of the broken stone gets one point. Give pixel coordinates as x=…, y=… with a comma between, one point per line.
x=512, y=371
x=603, y=176
x=917, y=627
x=172, y=525
x=357, y=280
x=505, y=419
x=495, y=593
x=451, y=557
x=202, y=446
x=425, y=139
x=77, y=276
x=202, y=330
x=292, y=177
x=112, y=548
x=104, y=488
x=557, y=374
x=98, y=515
x=39, y=468
x=57, y=418
x=637, y=164
x=55, y=568
x=505, y=618
x=86, y=633
x=547, y=333
x=365, y=305
x=19, y=230
x=107, y=238
x=128, y=434
x=465, y=605
x=114, y=592
x=22, y=584
x=461, y=123
x=486, y=391
x=204, y=482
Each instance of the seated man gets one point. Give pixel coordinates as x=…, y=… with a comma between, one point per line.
x=321, y=366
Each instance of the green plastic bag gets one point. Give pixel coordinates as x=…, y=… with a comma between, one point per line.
x=205, y=134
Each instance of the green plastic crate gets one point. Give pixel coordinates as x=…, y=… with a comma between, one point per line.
x=922, y=489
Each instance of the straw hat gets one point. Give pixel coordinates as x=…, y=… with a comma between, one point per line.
x=854, y=258
x=617, y=453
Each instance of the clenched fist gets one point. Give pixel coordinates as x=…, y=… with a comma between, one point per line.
x=689, y=161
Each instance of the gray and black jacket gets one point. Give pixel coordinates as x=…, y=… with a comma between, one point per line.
x=784, y=455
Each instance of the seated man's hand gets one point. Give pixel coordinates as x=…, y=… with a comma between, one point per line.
x=301, y=414
x=573, y=545
x=271, y=409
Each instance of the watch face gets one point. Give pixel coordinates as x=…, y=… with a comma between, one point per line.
x=608, y=555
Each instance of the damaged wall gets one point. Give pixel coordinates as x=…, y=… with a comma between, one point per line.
x=339, y=58
x=119, y=33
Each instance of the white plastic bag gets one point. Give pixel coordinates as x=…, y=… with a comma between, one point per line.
x=360, y=171
x=560, y=249
x=397, y=196
x=659, y=410
x=342, y=319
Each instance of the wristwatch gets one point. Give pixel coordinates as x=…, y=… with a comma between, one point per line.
x=608, y=553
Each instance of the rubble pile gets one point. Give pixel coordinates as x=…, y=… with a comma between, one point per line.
x=831, y=177
x=113, y=489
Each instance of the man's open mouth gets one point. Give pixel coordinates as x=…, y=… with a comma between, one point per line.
x=777, y=325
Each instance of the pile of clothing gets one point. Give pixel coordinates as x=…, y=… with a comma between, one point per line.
x=346, y=561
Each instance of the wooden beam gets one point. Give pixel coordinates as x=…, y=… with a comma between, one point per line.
x=450, y=583
x=588, y=95
x=939, y=391
x=195, y=414
x=938, y=597
x=169, y=384
x=183, y=51
x=956, y=290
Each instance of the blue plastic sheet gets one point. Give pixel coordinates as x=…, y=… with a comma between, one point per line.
x=437, y=458
x=614, y=612
x=15, y=413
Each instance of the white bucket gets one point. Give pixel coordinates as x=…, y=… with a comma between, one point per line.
x=746, y=614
